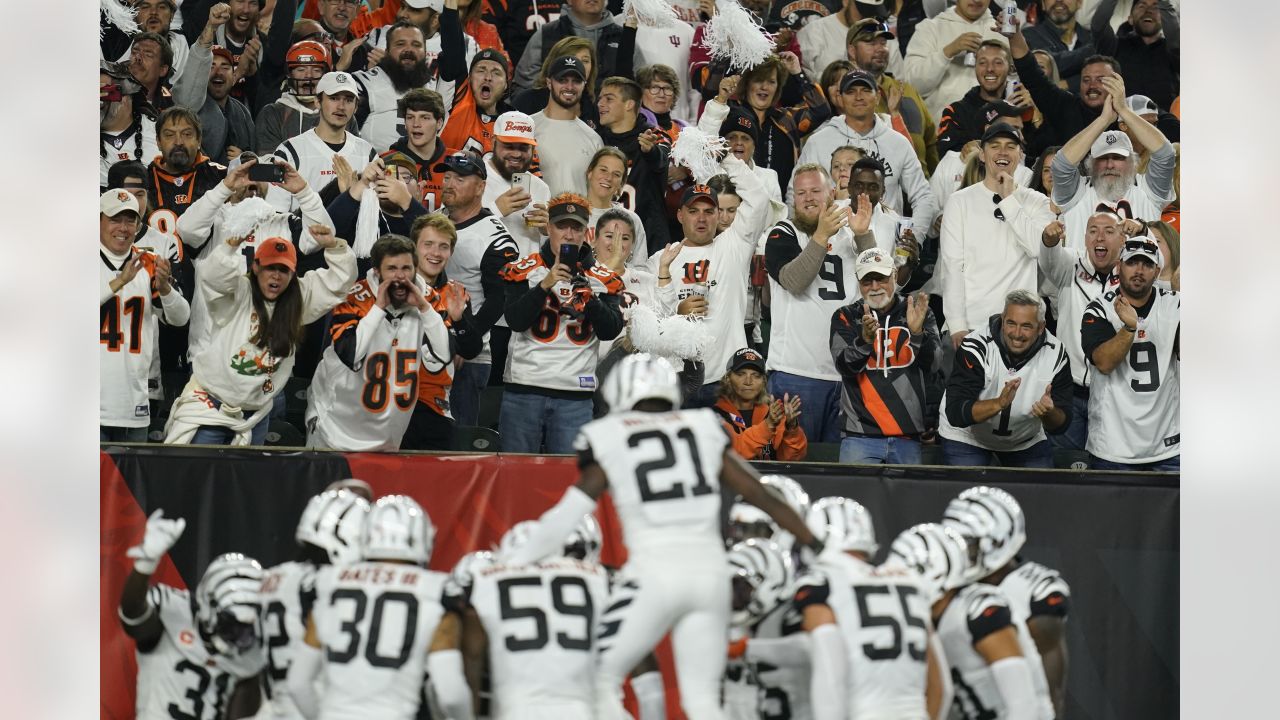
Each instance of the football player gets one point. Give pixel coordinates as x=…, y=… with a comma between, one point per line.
x=769, y=664
x=979, y=637
x=195, y=652
x=331, y=531
x=372, y=621
x=663, y=468
x=870, y=628
x=1038, y=596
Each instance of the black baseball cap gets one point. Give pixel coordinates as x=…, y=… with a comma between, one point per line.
x=463, y=164
x=746, y=358
x=739, y=120
x=1002, y=130
x=698, y=192
x=492, y=54
x=564, y=65
x=998, y=109
x=571, y=208
x=857, y=77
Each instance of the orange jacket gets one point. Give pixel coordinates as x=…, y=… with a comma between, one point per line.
x=749, y=441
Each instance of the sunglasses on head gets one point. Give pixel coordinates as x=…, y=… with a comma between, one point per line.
x=1143, y=245
x=995, y=198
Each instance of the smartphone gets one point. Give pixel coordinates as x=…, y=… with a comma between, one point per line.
x=522, y=180
x=569, y=256
x=112, y=93
x=266, y=171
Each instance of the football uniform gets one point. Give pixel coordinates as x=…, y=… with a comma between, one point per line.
x=883, y=617
x=375, y=621
x=664, y=471
x=381, y=95
x=558, y=352
x=160, y=237
x=434, y=384
x=1133, y=410
x=366, y=385
x=1015, y=428
x=541, y=620
x=179, y=677
x=288, y=593
x=483, y=249
x=1078, y=283
x=176, y=192
x=467, y=128
x=801, y=321
x=1034, y=590
x=136, y=142
x=128, y=334
x=783, y=686
x=313, y=159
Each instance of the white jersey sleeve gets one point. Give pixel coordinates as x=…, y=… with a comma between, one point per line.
x=288, y=593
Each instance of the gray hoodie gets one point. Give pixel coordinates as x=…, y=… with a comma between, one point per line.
x=902, y=172
x=531, y=61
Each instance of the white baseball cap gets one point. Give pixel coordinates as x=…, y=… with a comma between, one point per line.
x=333, y=83
x=1142, y=105
x=1111, y=142
x=1143, y=246
x=514, y=127
x=114, y=202
x=437, y=5
x=874, y=260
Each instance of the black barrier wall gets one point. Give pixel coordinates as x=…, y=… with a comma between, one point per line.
x=1114, y=538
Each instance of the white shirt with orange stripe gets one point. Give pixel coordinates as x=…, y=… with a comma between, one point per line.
x=366, y=386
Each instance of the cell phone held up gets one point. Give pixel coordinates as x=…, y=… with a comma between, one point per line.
x=521, y=180
x=266, y=171
x=569, y=257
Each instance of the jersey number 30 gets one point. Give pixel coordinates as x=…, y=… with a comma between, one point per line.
x=352, y=627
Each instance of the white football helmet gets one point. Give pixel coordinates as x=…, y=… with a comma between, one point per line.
x=399, y=529
x=585, y=540
x=355, y=485
x=790, y=492
x=762, y=579
x=334, y=521
x=991, y=520
x=936, y=553
x=227, y=603
x=747, y=521
x=843, y=523
x=641, y=377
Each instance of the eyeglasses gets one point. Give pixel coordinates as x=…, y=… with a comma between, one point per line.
x=321, y=36
x=661, y=89
x=995, y=198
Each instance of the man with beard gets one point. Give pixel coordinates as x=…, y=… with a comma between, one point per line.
x=312, y=152
x=401, y=69
x=1114, y=183
x=446, y=51
x=810, y=261
x=869, y=50
x=888, y=353
x=1082, y=276
x=1147, y=46
x=991, y=237
x=237, y=203
x=478, y=102
x=181, y=174
x=935, y=62
x=988, y=416
x=296, y=111
x=126, y=125
x=366, y=386
x=558, y=126
x=226, y=123
x=393, y=180
x=1131, y=336
x=647, y=149
x=483, y=249
x=422, y=113
x=1057, y=33
x=523, y=208
x=962, y=120
x=153, y=16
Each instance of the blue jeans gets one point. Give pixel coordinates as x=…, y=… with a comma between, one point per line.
x=1039, y=455
x=464, y=397
x=111, y=433
x=819, y=404
x=1077, y=431
x=879, y=450
x=1173, y=464
x=216, y=435
x=528, y=418
x=705, y=397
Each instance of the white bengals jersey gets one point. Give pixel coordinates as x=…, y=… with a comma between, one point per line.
x=884, y=619
x=1133, y=410
x=974, y=613
x=480, y=236
x=541, y=621
x=179, y=677
x=1016, y=428
x=783, y=687
x=381, y=128
x=127, y=337
x=161, y=238
x=1034, y=590
x=431, y=52
x=313, y=159
x=288, y=593
x=375, y=621
x=802, y=323
x=558, y=352
x=122, y=147
x=1139, y=203
x=664, y=477
x=366, y=385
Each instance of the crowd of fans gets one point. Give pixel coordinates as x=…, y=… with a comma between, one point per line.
x=927, y=227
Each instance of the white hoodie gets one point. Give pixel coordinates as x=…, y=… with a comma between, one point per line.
x=938, y=80
x=902, y=171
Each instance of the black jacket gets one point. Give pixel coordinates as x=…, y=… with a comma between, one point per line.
x=1045, y=36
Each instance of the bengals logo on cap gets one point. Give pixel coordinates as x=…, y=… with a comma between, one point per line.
x=280, y=247
x=744, y=122
x=700, y=190
x=122, y=196
x=570, y=208
x=1111, y=138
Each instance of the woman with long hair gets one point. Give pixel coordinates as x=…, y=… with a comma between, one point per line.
x=1170, y=241
x=762, y=427
x=606, y=181
x=1041, y=178
x=127, y=122
x=259, y=320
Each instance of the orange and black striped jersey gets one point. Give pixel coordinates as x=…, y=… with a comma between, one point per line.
x=467, y=128
x=433, y=385
x=429, y=180
x=176, y=191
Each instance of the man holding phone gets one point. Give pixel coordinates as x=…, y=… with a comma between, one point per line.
x=511, y=191
x=559, y=304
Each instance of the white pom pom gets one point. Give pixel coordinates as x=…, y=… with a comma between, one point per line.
x=698, y=151
x=242, y=218
x=120, y=15
x=679, y=336
x=734, y=34
x=652, y=13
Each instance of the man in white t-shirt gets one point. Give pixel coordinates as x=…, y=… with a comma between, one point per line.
x=521, y=202
x=558, y=126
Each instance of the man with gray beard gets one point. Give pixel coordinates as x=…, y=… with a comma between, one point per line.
x=1113, y=184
